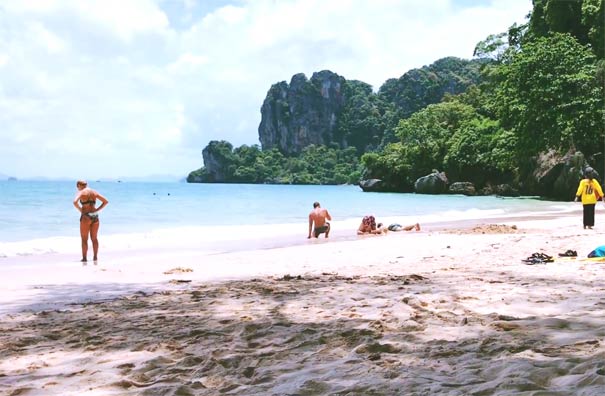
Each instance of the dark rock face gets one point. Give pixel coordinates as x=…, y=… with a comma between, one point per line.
x=503, y=190
x=216, y=162
x=465, y=188
x=556, y=176
x=371, y=185
x=314, y=111
x=303, y=113
x=435, y=183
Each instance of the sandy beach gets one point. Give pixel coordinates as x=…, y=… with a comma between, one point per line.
x=451, y=311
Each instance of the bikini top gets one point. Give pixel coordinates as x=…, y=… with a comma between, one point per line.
x=89, y=202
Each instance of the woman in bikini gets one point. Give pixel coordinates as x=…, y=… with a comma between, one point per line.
x=85, y=202
x=368, y=226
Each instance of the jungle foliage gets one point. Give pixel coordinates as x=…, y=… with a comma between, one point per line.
x=537, y=87
x=542, y=89
x=250, y=164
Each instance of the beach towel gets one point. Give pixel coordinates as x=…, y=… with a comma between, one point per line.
x=598, y=252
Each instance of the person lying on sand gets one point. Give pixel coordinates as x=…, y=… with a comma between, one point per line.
x=368, y=226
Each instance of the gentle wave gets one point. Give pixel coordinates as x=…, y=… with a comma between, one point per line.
x=223, y=238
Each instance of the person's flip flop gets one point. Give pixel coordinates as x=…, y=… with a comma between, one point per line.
x=569, y=253
x=538, y=258
x=543, y=256
x=533, y=261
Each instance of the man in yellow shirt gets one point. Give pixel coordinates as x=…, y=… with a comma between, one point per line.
x=590, y=191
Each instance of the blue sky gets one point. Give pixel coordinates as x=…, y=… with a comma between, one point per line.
x=114, y=88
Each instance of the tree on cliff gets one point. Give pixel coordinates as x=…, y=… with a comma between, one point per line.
x=549, y=97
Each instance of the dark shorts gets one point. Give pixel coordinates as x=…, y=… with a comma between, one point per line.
x=321, y=230
x=395, y=227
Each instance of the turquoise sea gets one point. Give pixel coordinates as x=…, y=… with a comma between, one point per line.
x=43, y=209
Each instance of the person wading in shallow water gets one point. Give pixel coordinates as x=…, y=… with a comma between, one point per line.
x=318, y=221
x=85, y=202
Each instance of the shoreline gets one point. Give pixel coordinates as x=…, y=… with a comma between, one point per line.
x=128, y=267
x=227, y=238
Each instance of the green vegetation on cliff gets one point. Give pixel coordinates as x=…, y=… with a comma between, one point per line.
x=537, y=88
x=345, y=117
x=542, y=91
x=250, y=164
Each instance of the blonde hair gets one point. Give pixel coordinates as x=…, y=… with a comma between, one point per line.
x=81, y=183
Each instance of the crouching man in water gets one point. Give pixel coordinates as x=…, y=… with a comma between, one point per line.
x=318, y=221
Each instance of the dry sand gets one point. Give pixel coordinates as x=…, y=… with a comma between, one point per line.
x=450, y=312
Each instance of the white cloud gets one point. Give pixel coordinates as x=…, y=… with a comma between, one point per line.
x=47, y=39
x=124, y=19
x=114, y=85
x=187, y=63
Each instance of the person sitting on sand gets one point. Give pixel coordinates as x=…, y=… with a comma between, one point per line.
x=368, y=226
x=318, y=221
x=399, y=227
x=85, y=202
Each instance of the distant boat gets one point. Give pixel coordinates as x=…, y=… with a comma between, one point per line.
x=12, y=178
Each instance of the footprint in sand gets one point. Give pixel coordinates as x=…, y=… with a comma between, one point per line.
x=178, y=270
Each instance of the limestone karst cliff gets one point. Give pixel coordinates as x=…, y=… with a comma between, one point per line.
x=301, y=113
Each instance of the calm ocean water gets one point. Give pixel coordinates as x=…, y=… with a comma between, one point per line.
x=43, y=209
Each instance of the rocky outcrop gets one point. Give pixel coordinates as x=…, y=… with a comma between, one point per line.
x=465, y=188
x=418, y=88
x=503, y=190
x=217, y=164
x=556, y=176
x=302, y=113
x=372, y=185
x=435, y=183
x=329, y=110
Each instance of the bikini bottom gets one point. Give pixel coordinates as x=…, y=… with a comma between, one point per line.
x=93, y=216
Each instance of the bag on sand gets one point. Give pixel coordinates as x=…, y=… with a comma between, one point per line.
x=598, y=252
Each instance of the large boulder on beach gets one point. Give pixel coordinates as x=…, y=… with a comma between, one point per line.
x=464, y=188
x=371, y=185
x=435, y=183
x=556, y=176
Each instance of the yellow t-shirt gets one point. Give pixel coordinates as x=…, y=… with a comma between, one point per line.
x=587, y=189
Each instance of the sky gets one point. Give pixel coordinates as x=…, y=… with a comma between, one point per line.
x=126, y=88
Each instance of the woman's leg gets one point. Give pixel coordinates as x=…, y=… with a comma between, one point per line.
x=94, y=230
x=412, y=226
x=84, y=231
